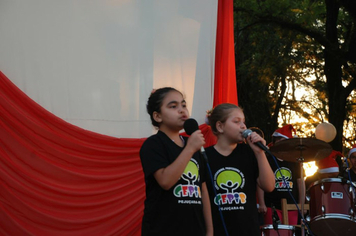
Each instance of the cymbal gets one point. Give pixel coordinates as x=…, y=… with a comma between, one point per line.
x=301, y=149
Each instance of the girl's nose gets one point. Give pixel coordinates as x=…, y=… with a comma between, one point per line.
x=181, y=109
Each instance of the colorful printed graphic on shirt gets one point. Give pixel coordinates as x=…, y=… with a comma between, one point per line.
x=282, y=185
x=230, y=180
x=191, y=176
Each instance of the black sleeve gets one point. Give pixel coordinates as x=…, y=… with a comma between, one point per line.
x=153, y=156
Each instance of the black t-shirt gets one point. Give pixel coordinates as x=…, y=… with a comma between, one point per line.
x=291, y=172
x=234, y=179
x=352, y=176
x=179, y=210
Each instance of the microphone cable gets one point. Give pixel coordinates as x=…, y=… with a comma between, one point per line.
x=215, y=194
x=190, y=126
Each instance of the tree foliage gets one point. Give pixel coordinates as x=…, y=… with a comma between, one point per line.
x=286, y=46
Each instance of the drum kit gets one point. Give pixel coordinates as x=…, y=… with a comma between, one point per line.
x=332, y=209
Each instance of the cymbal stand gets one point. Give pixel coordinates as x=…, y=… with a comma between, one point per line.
x=301, y=147
x=301, y=160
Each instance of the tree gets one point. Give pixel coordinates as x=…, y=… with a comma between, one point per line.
x=282, y=43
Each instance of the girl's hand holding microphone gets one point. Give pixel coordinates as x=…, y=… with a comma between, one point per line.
x=196, y=141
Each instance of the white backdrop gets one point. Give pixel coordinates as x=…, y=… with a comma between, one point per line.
x=94, y=63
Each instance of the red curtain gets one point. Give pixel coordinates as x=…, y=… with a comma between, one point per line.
x=225, y=89
x=59, y=179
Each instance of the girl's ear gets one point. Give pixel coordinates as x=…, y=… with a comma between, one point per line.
x=157, y=117
x=219, y=127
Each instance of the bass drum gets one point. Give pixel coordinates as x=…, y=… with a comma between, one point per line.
x=332, y=209
x=283, y=230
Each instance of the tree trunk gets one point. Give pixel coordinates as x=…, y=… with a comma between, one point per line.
x=333, y=73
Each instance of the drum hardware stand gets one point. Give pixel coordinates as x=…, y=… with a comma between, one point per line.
x=275, y=219
x=301, y=160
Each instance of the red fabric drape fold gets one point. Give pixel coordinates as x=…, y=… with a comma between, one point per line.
x=210, y=138
x=59, y=179
x=225, y=89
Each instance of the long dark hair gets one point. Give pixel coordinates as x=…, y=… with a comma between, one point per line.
x=155, y=100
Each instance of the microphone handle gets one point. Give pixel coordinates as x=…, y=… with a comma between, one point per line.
x=263, y=147
x=247, y=133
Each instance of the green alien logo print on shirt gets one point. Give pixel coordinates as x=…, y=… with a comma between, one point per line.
x=230, y=181
x=190, y=190
x=282, y=185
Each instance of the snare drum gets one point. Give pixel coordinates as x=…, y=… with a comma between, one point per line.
x=283, y=230
x=332, y=210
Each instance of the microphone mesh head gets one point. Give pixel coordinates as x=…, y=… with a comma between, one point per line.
x=190, y=126
x=246, y=133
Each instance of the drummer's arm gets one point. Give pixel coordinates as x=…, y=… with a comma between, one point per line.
x=261, y=200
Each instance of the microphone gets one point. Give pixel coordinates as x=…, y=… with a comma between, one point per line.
x=247, y=133
x=190, y=126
